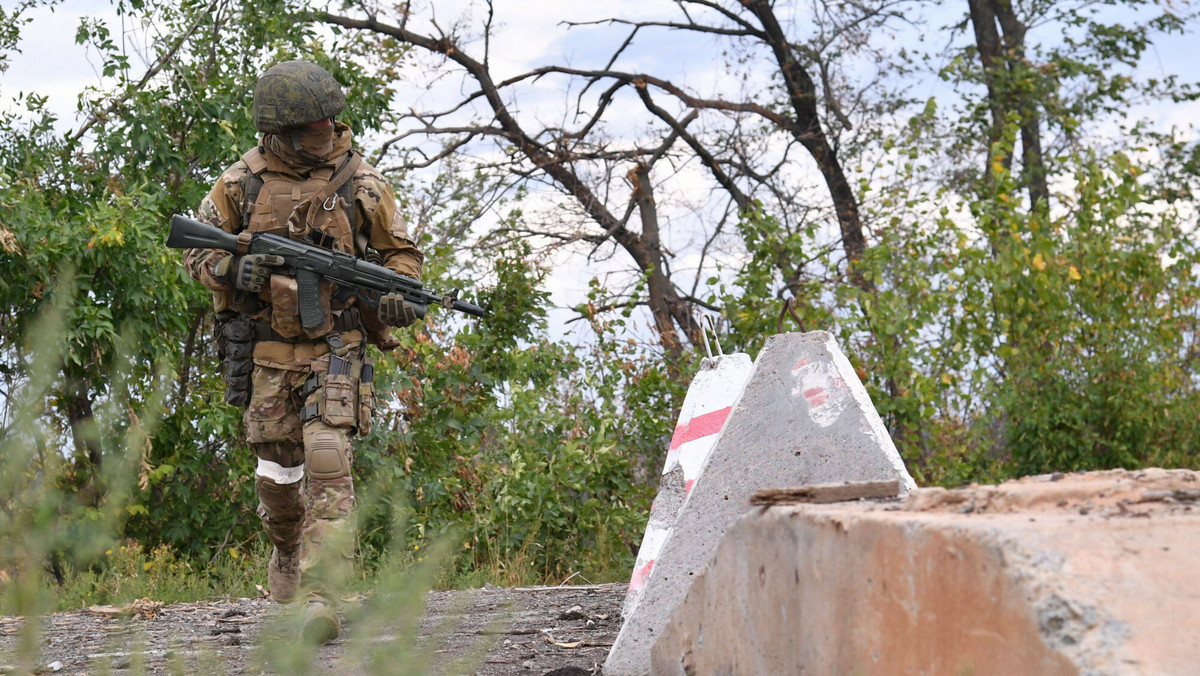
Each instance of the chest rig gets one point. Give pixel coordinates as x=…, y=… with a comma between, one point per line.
x=318, y=209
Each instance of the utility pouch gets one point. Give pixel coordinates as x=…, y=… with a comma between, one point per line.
x=285, y=306
x=339, y=405
x=336, y=395
x=239, y=351
x=236, y=369
x=236, y=328
x=366, y=396
x=235, y=345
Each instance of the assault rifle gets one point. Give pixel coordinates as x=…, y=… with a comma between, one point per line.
x=309, y=264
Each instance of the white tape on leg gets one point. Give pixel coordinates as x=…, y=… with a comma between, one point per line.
x=278, y=473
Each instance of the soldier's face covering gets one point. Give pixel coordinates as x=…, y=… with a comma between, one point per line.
x=306, y=148
x=315, y=140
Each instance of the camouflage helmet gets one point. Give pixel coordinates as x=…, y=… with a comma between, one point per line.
x=292, y=93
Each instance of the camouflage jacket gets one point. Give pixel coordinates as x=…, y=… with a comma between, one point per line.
x=377, y=216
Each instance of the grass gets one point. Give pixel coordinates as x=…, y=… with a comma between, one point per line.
x=128, y=573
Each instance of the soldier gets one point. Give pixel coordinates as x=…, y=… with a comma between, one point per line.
x=306, y=391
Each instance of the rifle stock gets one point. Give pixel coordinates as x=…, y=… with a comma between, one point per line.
x=191, y=234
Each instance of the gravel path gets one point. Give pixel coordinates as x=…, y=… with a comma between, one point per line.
x=564, y=631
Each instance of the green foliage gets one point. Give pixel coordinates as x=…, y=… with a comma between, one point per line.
x=1000, y=345
x=127, y=573
x=48, y=525
x=1106, y=328
x=499, y=440
x=996, y=343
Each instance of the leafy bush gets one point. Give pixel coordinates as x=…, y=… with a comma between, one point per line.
x=520, y=446
x=998, y=343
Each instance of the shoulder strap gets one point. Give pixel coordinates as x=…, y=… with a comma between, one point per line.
x=346, y=192
x=339, y=178
x=254, y=182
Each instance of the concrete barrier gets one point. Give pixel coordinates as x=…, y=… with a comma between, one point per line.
x=706, y=406
x=802, y=418
x=1079, y=574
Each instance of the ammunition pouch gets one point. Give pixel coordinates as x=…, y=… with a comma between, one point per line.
x=366, y=396
x=342, y=397
x=285, y=308
x=235, y=346
x=339, y=394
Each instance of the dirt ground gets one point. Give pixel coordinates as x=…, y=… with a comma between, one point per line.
x=558, y=631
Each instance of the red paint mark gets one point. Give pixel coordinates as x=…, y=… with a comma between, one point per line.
x=800, y=364
x=700, y=426
x=816, y=396
x=687, y=486
x=641, y=575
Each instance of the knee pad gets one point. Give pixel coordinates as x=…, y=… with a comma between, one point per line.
x=326, y=452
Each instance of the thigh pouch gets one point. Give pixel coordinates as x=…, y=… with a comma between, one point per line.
x=343, y=396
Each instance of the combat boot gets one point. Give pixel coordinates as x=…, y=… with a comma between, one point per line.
x=320, y=623
x=283, y=574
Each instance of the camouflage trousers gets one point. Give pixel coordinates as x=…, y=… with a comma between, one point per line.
x=303, y=479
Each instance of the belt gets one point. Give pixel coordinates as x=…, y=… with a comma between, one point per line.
x=347, y=321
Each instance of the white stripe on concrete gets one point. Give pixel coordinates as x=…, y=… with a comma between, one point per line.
x=693, y=454
x=651, y=545
x=715, y=387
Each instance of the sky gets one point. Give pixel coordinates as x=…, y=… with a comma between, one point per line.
x=531, y=33
x=50, y=63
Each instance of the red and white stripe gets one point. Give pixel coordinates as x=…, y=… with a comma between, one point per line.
x=707, y=405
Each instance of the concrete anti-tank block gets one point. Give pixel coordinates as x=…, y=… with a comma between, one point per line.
x=802, y=418
x=707, y=404
x=1079, y=574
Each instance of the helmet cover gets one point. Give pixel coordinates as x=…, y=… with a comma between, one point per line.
x=293, y=93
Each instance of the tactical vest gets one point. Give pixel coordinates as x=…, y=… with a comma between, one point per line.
x=313, y=209
x=317, y=210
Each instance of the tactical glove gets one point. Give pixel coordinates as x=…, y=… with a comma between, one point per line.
x=395, y=311
x=249, y=273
